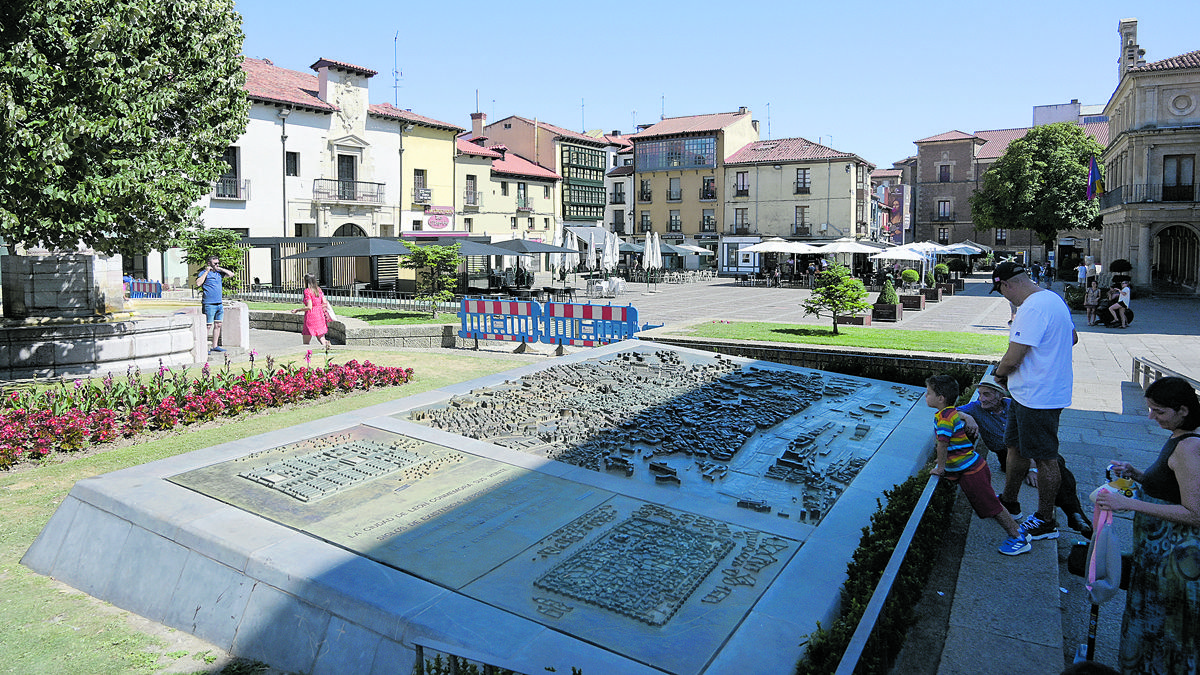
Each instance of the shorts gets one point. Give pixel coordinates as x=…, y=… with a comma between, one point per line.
x=213, y=311
x=1033, y=431
x=977, y=486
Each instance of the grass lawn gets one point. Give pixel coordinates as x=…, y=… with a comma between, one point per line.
x=853, y=336
x=373, y=316
x=46, y=630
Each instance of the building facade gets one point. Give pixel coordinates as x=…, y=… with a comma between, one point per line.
x=1151, y=206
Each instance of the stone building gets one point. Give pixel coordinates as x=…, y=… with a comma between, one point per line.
x=1151, y=206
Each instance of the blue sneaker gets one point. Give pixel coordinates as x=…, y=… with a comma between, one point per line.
x=217, y=349
x=1016, y=545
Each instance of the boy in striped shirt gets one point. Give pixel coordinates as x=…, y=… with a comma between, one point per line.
x=957, y=461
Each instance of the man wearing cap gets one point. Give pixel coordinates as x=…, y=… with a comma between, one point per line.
x=1036, y=368
x=989, y=413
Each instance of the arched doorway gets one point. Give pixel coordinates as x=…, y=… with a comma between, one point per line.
x=346, y=272
x=1176, y=259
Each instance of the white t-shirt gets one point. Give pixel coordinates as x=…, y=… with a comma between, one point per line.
x=1081, y=272
x=1126, y=297
x=1044, y=377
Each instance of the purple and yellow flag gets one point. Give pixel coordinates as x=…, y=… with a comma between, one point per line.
x=1095, y=184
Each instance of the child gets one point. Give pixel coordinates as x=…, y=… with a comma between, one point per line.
x=958, y=462
x=1091, y=300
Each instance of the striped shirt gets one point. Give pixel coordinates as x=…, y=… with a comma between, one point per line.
x=951, y=428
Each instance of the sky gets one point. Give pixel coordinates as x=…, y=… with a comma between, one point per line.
x=864, y=77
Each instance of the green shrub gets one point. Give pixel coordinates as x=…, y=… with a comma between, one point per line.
x=888, y=295
x=941, y=271
x=910, y=276
x=930, y=282
x=956, y=265
x=1120, y=266
x=1073, y=294
x=826, y=645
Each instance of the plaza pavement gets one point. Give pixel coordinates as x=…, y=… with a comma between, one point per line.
x=1012, y=614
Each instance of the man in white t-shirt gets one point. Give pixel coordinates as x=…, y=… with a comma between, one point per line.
x=1037, y=371
x=1117, y=309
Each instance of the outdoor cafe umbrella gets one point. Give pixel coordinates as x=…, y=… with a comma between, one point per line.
x=528, y=246
x=355, y=247
x=612, y=254
x=846, y=246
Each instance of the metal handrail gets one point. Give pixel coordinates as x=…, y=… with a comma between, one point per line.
x=1146, y=371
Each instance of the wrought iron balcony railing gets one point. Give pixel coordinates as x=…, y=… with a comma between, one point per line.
x=802, y=229
x=674, y=226
x=743, y=191
x=330, y=189
x=616, y=198
x=472, y=198
x=943, y=217
x=707, y=195
x=802, y=189
x=708, y=225
x=674, y=195
x=524, y=203
x=231, y=188
x=644, y=227
x=645, y=196
x=1148, y=193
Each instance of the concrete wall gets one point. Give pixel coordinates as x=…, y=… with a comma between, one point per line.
x=356, y=333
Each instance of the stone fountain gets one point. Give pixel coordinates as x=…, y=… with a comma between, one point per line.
x=65, y=314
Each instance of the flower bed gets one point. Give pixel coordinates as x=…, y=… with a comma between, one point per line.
x=35, y=423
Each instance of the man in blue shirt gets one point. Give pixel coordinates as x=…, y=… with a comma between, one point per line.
x=990, y=415
x=209, y=280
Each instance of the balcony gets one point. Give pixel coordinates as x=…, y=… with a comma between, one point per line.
x=524, y=203
x=802, y=188
x=943, y=217
x=741, y=227
x=645, y=196
x=617, y=226
x=231, y=188
x=421, y=195
x=329, y=189
x=674, y=226
x=644, y=227
x=472, y=199
x=616, y=198
x=708, y=194
x=1148, y=193
x=802, y=229
x=708, y=225
x=743, y=191
x=674, y=195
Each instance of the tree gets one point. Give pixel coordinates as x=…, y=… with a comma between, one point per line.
x=437, y=268
x=1040, y=184
x=836, y=293
x=888, y=296
x=114, y=115
x=200, y=247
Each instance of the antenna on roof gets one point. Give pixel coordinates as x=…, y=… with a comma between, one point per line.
x=396, y=70
x=476, y=100
x=662, y=113
x=768, y=120
x=633, y=121
x=582, y=119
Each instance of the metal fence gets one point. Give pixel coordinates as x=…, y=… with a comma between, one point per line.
x=347, y=297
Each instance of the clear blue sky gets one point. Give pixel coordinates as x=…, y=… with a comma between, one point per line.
x=873, y=76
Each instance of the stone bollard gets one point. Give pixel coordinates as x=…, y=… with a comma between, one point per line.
x=235, y=328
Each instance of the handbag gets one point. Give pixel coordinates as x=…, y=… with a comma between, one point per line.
x=329, y=315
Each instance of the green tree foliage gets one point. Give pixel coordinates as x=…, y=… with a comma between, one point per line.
x=200, y=246
x=1040, y=184
x=910, y=276
x=837, y=294
x=888, y=295
x=437, y=271
x=113, y=118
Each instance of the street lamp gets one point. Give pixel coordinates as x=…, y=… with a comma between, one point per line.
x=283, y=115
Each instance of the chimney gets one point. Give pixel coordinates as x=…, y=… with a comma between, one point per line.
x=754, y=123
x=1131, y=55
x=615, y=132
x=478, y=119
x=743, y=110
x=323, y=83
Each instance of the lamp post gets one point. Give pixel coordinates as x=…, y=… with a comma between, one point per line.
x=283, y=115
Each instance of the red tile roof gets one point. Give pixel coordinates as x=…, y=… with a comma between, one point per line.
x=515, y=165
x=1188, y=60
x=466, y=147
x=269, y=83
x=691, y=124
x=389, y=111
x=621, y=171
x=784, y=150
x=948, y=136
x=887, y=173
x=344, y=66
x=997, y=140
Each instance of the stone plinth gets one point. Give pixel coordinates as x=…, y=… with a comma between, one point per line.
x=61, y=285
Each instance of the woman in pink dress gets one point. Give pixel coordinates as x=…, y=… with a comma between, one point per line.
x=315, y=323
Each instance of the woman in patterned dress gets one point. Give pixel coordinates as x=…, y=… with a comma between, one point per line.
x=315, y=323
x=1160, y=632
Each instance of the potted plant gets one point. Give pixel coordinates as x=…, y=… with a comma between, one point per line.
x=941, y=275
x=931, y=291
x=887, y=306
x=913, y=299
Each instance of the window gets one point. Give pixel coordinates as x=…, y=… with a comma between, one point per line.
x=943, y=212
x=944, y=173
x=645, y=221
x=677, y=152
x=347, y=169
x=419, y=178
x=674, y=224
x=801, y=219
x=674, y=194
x=417, y=226
x=513, y=221
x=545, y=223
x=468, y=224
x=708, y=190
x=504, y=188
x=943, y=235
x=708, y=222
x=228, y=185
x=803, y=181
x=291, y=164
x=741, y=187
x=731, y=255
x=741, y=219
x=531, y=223
x=644, y=195
x=1178, y=177
x=1001, y=236
x=545, y=192
x=470, y=195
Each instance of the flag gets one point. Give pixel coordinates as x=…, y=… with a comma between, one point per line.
x=1095, y=184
